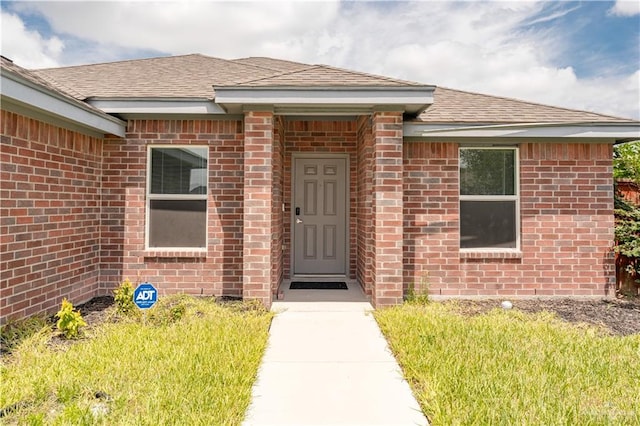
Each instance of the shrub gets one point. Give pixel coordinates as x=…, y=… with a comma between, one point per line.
x=123, y=296
x=69, y=321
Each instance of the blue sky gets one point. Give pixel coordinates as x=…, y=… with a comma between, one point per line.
x=583, y=55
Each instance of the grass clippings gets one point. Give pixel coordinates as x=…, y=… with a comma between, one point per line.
x=186, y=361
x=511, y=367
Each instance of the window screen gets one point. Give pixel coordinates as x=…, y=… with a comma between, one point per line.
x=488, y=198
x=177, y=197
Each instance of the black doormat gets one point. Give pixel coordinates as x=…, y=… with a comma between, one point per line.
x=317, y=285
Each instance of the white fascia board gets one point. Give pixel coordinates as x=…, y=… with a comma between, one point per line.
x=409, y=99
x=42, y=100
x=156, y=106
x=601, y=131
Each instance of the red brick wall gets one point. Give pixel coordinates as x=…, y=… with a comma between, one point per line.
x=364, y=267
x=50, y=216
x=431, y=209
x=258, y=226
x=216, y=272
x=387, y=210
x=320, y=136
x=566, y=204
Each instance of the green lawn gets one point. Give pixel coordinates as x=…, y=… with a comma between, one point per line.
x=507, y=367
x=196, y=369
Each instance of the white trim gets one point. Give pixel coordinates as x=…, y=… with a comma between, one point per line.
x=601, y=131
x=330, y=99
x=156, y=106
x=515, y=197
x=37, y=98
x=150, y=197
x=318, y=156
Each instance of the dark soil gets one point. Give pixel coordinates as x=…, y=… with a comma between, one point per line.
x=617, y=316
x=94, y=311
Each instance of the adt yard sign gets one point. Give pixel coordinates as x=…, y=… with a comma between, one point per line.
x=145, y=296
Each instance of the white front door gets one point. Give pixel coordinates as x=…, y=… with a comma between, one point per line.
x=320, y=216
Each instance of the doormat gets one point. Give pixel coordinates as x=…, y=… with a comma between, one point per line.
x=331, y=285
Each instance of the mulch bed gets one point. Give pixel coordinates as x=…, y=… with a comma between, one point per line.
x=619, y=316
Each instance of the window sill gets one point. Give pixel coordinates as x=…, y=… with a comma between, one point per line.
x=490, y=254
x=175, y=253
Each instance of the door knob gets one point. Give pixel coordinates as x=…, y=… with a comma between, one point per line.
x=298, y=220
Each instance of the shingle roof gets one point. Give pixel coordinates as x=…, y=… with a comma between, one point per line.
x=188, y=76
x=272, y=64
x=456, y=106
x=325, y=76
x=194, y=76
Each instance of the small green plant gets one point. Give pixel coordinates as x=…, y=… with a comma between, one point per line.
x=123, y=296
x=69, y=321
x=419, y=295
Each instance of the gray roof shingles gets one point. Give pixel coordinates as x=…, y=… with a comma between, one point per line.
x=195, y=76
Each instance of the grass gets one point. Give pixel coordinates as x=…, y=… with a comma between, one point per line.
x=508, y=367
x=190, y=362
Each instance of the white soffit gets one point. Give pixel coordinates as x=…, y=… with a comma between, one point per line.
x=605, y=131
x=27, y=97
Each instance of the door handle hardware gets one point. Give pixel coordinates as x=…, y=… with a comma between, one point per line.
x=298, y=220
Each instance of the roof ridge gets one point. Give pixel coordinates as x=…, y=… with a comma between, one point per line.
x=381, y=77
x=279, y=74
x=271, y=59
x=131, y=60
x=535, y=103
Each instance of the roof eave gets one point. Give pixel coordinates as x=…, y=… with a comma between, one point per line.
x=25, y=97
x=148, y=106
x=615, y=132
x=318, y=99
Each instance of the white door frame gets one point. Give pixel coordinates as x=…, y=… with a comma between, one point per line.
x=347, y=249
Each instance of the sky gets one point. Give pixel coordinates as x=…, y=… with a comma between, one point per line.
x=575, y=54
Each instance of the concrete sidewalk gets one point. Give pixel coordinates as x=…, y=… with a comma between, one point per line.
x=327, y=364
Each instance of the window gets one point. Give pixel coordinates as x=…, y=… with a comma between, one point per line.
x=177, y=197
x=489, y=202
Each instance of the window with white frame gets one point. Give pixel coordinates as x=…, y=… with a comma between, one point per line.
x=489, y=201
x=177, y=197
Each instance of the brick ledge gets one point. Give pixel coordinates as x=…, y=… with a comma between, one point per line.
x=490, y=254
x=174, y=253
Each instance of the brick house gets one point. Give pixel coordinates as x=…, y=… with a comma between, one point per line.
x=231, y=177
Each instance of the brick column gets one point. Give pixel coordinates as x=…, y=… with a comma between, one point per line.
x=258, y=182
x=387, y=208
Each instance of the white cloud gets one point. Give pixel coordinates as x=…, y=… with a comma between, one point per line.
x=626, y=8
x=488, y=47
x=27, y=47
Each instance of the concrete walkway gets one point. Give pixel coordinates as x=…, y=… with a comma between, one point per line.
x=327, y=364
